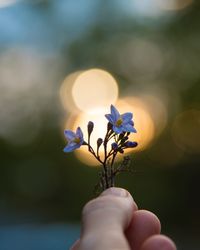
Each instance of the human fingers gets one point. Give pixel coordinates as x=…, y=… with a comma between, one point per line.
x=158, y=242
x=143, y=225
x=104, y=220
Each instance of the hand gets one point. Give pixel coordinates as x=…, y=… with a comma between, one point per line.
x=113, y=222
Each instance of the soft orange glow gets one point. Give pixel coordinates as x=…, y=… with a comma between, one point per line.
x=185, y=131
x=94, y=89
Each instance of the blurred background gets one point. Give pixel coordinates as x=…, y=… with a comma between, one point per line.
x=62, y=63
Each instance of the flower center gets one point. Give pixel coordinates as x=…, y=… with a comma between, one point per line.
x=77, y=140
x=119, y=122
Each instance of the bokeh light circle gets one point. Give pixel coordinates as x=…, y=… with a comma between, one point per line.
x=94, y=89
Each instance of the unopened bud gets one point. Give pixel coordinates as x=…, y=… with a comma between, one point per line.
x=114, y=146
x=90, y=127
x=131, y=144
x=99, y=142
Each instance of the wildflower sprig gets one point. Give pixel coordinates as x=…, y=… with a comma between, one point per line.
x=115, y=142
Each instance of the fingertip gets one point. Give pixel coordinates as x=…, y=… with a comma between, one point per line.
x=114, y=204
x=108, y=214
x=143, y=225
x=158, y=242
x=119, y=192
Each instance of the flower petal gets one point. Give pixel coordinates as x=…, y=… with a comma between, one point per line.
x=127, y=117
x=129, y=128
x=70, y=147
x=114, y=113
x=79, y=133
x=118, y=130
x=110, y=118
x=70, y=135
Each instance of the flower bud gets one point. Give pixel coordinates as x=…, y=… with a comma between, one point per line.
x=122, y=135
x=99, y=142
x=90, y=127
x=114, y=146
x=131, y=144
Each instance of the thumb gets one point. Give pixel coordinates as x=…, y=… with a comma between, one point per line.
x=104, y=220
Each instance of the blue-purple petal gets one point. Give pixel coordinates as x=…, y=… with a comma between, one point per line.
x=114, y=113
x=70, y=135
x=127, y=117
x=79, y=133
x=118, y=130
x=110, y=118
x=70, y=148
x=129, y=128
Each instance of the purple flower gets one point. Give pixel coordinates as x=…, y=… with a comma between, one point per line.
x=121, y=123
x=74, y=140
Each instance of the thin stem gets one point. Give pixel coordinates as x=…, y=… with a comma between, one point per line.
x=112, y=175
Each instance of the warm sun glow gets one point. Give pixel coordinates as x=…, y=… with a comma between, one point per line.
x=94, y=89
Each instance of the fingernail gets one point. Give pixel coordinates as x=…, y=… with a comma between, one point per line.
x=120, y=192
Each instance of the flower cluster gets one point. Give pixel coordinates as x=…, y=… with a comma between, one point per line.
x=119, y=128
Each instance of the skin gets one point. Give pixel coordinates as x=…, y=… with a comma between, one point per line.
x=113, y=222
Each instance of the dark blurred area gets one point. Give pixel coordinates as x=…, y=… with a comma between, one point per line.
x=151, y=50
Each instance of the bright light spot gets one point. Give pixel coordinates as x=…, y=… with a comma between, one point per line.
x=173, y=4
x=185, y=131
x=66, y=92
x=94, y=89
